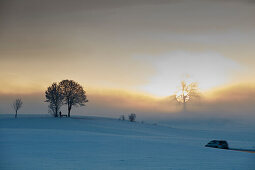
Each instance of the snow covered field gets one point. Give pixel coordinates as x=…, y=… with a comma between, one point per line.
x=44, y=142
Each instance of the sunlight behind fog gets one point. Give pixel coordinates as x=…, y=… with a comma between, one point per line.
x=130, y=56
x=207, y=69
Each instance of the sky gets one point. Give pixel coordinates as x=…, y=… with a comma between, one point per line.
x=136, y=52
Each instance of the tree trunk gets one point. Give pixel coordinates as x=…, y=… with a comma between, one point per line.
x=16, y=114
x=184, y=106
x=69, y=110
x=56, y=112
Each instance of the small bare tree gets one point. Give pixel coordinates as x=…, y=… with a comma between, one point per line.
x=186, y=93
x=73, y=93
x=55, y=97
x=17, y=104
x=132, y=117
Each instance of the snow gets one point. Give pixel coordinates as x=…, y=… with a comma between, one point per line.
x=44, y=142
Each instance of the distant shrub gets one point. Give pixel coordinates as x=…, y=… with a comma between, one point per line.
x=132, y=117
x=122, y=117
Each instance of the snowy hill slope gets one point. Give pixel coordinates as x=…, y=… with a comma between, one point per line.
x=43, y=142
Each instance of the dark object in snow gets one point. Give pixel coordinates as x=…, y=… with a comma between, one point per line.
x=61, y=115
x=132, y=117
x=221, y=144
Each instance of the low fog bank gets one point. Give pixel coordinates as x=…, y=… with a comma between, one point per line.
x=203, y=120
x=228, y=107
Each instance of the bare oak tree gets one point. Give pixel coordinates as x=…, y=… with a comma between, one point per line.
x=17, y=104
x=74, y=94
x=186, y=93
x=55, y=98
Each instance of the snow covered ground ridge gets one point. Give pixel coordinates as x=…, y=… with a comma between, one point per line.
x=44, y=142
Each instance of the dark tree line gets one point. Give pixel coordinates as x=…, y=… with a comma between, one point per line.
x=66, y=92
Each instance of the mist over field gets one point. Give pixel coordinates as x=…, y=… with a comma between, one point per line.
x=231, y=104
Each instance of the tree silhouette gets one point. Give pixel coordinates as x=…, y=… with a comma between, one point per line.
x=17, y=104
x=186, y=93
x=132, y=117
x=55, y=97
x=73, y=93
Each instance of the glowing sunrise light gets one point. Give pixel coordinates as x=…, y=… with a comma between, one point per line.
x=207, y=69
x=180, y=94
